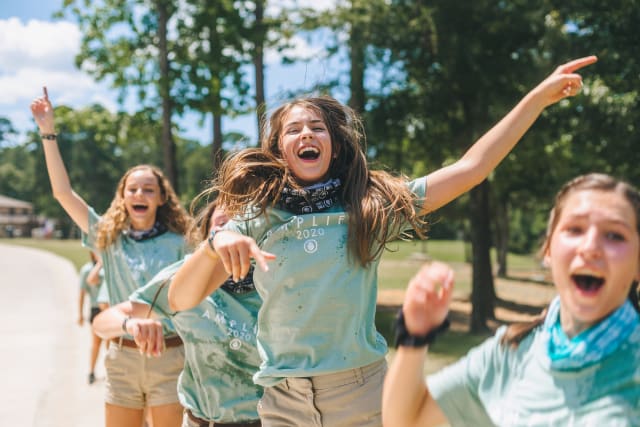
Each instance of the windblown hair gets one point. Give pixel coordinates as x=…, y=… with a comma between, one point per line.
x=201, y=224
x=589, y=182
x=377, y=202
x=116, y=219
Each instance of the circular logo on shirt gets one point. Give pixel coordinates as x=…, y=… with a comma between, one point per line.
x=235, y=344
x=310, y=246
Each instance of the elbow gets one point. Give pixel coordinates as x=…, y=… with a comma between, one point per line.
x=176, y=302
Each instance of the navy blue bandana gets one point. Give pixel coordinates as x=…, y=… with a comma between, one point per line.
x=242, y=286
x=315, y=198
x=139, y=235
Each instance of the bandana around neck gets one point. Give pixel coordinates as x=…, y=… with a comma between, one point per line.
x=242, y=286
x=139, y=235
x=591, y=345
x=314, y=198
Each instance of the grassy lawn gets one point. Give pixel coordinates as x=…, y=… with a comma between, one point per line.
x=70, y=249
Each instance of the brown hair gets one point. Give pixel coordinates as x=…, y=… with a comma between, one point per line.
x=116, y=219
x=378, y=203
x=590, y=182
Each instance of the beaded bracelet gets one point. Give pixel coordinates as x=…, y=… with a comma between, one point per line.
x=49, y=136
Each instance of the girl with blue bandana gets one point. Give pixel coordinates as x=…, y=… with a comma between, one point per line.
x=308, y=202
x=216, y=386
x=141, y=233
x=578, y=364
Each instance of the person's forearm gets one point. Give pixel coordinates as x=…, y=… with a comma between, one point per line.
x=81, y=304
x=198, y=277
x=61, y=186
x=404, y=390
x=108, y=324
x=93, y=278
x=449, y=182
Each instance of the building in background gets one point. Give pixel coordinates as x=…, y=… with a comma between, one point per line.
x=16, y=217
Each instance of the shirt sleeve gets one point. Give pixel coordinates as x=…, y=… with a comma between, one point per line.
x=456, y=388
x=89, y=239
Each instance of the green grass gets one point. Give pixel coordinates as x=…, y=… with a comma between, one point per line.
x=70, y=249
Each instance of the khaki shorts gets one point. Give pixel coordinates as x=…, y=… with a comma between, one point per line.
x=135, y=381
x=348, y=398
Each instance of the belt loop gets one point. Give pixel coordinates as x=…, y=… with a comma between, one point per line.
x=120, y=342
x=285, y=383
x=210, y=424
x=359, y=374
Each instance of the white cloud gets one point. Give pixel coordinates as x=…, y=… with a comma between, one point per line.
x=44, y=44
x=41, y=53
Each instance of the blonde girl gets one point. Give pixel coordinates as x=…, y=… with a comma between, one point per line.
x=141, y=232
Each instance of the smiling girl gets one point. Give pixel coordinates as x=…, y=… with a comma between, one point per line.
x=141, y=233
x=308, y=202
x=576, y=365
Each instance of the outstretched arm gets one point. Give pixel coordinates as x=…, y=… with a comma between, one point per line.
x=405, y=398
x=72, y=203
x=476, y=164
x=207, y=269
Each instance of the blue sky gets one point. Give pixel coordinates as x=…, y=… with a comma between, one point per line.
x=36, y=50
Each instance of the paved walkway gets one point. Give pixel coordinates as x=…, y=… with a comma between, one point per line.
x=44, y=354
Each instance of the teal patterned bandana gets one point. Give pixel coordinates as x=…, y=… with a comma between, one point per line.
x=591, y=345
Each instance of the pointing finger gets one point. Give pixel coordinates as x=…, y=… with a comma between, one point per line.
x=576, y=64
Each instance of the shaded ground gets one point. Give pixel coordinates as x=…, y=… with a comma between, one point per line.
x=519, y=298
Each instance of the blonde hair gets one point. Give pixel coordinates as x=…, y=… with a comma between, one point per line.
x=116, y=219
x=378, y=203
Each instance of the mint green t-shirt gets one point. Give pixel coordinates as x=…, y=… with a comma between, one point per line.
x=220, y=350
x=498, y=386
x=129, y=264
x=318, y=312
x=91, y=290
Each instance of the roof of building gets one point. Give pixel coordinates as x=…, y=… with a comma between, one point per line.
x=14, y=203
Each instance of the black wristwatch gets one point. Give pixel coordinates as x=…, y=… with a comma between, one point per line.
x=405, y=339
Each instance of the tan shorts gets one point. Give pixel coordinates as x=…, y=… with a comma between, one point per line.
x=135, y=381
x=348, y=398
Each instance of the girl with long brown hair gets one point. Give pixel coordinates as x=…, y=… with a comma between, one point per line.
x=308, y=202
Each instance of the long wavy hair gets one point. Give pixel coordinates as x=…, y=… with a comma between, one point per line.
x=377, y=202
x=116, y=218
x=589, y=182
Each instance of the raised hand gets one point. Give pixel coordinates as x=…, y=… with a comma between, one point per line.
x=427, y=299
x=563, y=82
x=42, y=111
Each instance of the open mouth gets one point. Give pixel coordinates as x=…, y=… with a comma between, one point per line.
x=140, y=208
x=587, y=283
x=309, y=153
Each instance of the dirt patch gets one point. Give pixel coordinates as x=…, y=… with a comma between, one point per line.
x=519, y=299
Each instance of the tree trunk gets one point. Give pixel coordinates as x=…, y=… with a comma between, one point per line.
x=258, y=64
x=501, y=221
x=168, y=145
x=482, y=290
x=357, y=57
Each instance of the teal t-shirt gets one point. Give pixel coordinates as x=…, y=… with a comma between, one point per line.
x=129, y=264
x=221, y=357
x=498, y=386
x=91, y=290
x=318, y=312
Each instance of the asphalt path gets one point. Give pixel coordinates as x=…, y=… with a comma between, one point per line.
x=44, y=354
